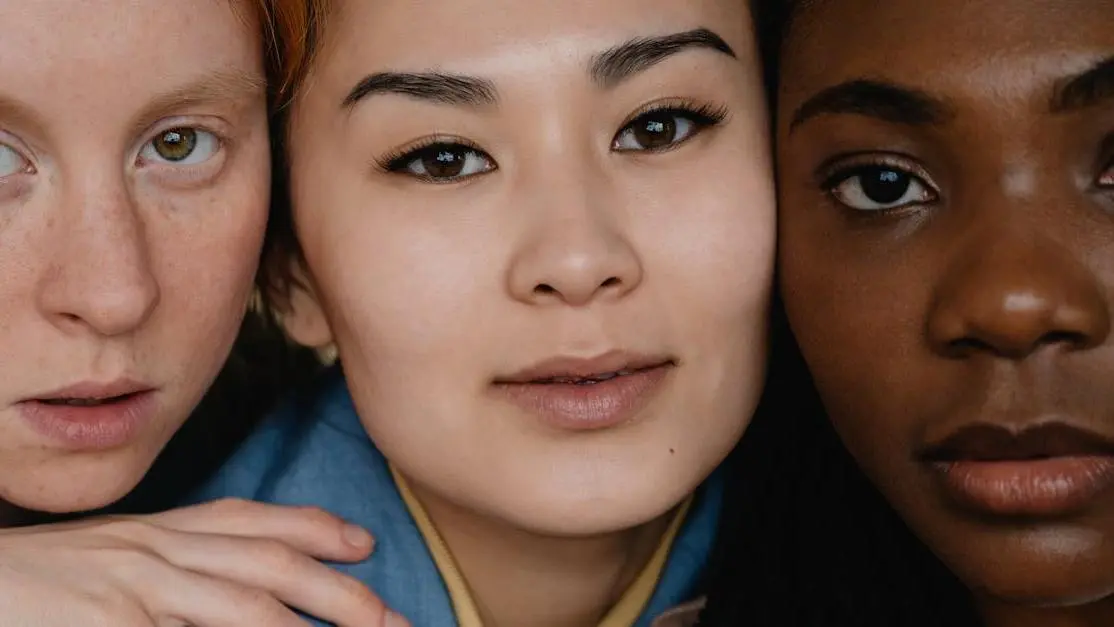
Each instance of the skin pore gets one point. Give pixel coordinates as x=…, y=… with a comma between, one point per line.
x=133, y=198
x=946, y=267
x=484, y=186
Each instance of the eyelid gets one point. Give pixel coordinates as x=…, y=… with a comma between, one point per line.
x=838, y=168
x=390, y=160
x=713, y=113
x=208, y=124
x=20, y=148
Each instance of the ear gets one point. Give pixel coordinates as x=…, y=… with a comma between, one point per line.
x=303, y=317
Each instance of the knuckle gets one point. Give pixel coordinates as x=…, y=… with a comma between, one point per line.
x=276, y=556
x=317, y=517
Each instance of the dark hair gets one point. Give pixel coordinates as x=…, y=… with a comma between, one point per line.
x=805, y=538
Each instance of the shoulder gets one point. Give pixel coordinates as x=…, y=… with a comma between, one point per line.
x=297, y=448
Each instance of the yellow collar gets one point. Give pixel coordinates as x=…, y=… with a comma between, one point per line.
x=624, y=614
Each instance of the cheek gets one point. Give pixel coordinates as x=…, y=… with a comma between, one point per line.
x=710, y=249
x=208, y=252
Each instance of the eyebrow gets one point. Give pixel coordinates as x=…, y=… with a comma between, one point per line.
x=1092, y=87
x=613, y=66
x=450, y=89
x=875, y=99
x=221, y=86
x=607, y=69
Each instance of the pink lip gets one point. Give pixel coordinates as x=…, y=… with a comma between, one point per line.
x=547, y=389
x=124, y=408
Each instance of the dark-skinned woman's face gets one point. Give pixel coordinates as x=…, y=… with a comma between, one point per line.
x=947, y=259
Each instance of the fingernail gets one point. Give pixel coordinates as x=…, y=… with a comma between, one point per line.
x=357, y=537
x=395, y=620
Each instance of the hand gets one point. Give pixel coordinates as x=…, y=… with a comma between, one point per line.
x=228, y=563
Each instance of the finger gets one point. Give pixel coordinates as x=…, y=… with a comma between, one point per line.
x=277, y=568
x=310, y=530
x=173, y=595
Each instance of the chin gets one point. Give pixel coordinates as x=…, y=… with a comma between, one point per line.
x=76, y=483
x=1057, y=567
x=563, y=514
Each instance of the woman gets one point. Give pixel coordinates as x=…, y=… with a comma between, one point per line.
x=540, y=237
x=134, y=184
x=945, y=269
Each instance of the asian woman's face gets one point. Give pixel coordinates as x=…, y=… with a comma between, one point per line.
x=542, y=235
x=948, y=269
x=134, y=178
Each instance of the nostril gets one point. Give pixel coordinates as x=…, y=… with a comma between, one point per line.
x=967, y=346
x=611, y=282
x=1070, y=338
x=544, y=288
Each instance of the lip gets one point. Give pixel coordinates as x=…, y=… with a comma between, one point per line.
x=122, y=408
x=548, y=390
x=1046, y=470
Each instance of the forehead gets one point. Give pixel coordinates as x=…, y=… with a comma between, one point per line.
x=59, y=52
x=433, y=34
x=985, y=46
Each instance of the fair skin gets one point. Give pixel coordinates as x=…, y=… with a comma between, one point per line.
x=561, y=216
x=133, y=197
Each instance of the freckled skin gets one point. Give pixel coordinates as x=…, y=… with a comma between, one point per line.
x=116, y=262
x=989, y=299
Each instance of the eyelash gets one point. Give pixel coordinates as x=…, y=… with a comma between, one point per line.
x=701, y=116
x=397, y=160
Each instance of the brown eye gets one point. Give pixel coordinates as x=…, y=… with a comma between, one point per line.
x=442, y=162
x=181, y=146
x=878, y=188
x=662, y=129
x=655, y=131
x=176, y=144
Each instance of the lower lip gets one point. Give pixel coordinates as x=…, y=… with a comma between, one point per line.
x=588, y=406
x=96, y=427
x=1045, y=487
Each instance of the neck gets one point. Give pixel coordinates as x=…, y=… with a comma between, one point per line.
x=521, y=578
x=998, y=613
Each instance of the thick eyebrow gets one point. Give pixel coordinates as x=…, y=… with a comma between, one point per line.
x=613, y=66
x=1092, y=87
x=875, y=99
x=453, y=89
x=607, y=70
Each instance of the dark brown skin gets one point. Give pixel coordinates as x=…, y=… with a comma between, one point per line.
x=984, y=295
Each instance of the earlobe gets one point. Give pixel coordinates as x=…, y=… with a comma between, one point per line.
x=303, y=317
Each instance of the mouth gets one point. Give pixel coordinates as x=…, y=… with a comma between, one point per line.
x=587, y=394
x=1048, y=470
x=574, y=371
x=88, y=401
x=993, y=443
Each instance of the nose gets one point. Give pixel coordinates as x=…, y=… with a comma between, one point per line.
x=1011, y=296
x=100, y=278
x=577, y=249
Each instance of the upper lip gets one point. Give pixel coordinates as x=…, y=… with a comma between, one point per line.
x=577, y=367
x=91, y=390
x=992, y=442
